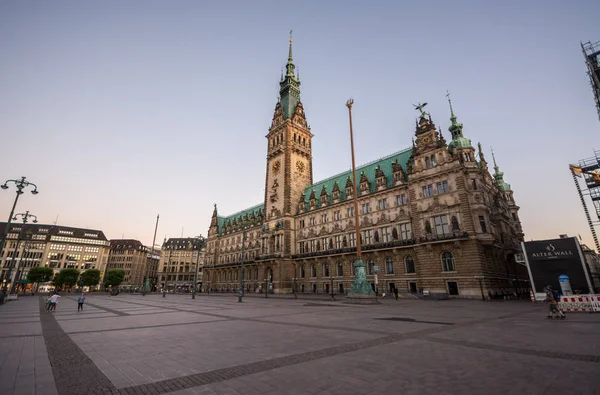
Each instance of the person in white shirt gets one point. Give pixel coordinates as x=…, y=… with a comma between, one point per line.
x=53, y=301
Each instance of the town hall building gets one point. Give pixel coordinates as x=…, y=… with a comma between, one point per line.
x=433, y=220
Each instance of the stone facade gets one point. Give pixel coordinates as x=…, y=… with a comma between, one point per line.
x=182, y=259
x=432, y=218
x=57, y=247
x=137, y=260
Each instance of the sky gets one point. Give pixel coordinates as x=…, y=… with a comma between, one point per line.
x=122, y=110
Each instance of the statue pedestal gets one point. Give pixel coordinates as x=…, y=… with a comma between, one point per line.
x=361, y=292
x=361, y=299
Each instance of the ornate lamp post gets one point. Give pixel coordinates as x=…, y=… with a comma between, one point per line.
x=295, y=280
x=146, y=285
x=166, y=271
x=25, y=217
x=201, y=241
x=241, y=293
x=21, y=185
x=331, y=286
x=361, y=291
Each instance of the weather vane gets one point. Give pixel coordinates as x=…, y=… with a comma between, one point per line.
x=420, y=107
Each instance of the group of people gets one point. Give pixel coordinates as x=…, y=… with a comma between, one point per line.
x=394, y=291
x=52, y=301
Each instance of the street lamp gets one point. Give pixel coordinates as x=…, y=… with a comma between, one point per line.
x=295, y=280
x=480, y=278
x=20, y=184
x=166, y=271
x=201, y=243
x=241, y=293
x=331, y=286
x=25, y=217
x=146, y=285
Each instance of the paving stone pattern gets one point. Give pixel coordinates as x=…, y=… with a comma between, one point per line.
x=132, y=344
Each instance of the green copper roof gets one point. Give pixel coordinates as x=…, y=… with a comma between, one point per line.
x=455, y=129
x=238, y=217
x=289, y=87
x=499, y=176
x=459, y=142
x=369, y=169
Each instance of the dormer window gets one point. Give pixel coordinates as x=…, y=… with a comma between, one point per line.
x=427, y=163
x=365, y=186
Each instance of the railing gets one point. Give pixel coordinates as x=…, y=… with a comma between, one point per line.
x=367, y=247
x=449, y=236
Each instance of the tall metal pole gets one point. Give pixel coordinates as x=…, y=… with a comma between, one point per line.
x=25, y=217
x=241, y=293
x=167, y=271
x=147, y=284
x=585, y=209
x=349, y=103
x=200, y=241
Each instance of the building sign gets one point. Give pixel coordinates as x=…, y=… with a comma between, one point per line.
x=547, y=260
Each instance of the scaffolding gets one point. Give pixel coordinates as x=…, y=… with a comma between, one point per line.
x=589, y=170
x=591, y=52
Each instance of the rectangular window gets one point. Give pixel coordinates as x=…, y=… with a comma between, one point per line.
x=482, y=224
x=474, y=183
x=366, y=208
x=368, y=236
x=406, y=231
x=441, y=225
x=338, y=241
x=324, y=218
x=428, y=190
x=386, y=234
x=514, y=216
x=352, y=239
x=442, y=187
x=302, y=224
x=350, y=212
x=337, y=215
x=382, y=204
x=401, y=200
x=313, y=220
x=313, y=245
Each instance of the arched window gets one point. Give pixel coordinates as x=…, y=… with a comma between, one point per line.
x=433, y=162
x=325, y=270
x=340, y=269
x=313, y=271
x=448, y=262
x=427, y=163
x=389, y=265
x=256, y=274
x=302, y=273
x=409, y=263
x=371, y=267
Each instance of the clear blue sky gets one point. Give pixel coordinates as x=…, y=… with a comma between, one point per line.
x=120, y=110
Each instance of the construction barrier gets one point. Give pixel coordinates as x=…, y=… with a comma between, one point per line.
x=580, y=303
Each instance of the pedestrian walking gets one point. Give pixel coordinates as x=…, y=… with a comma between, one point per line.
x=80, y=301
x=53, y=301
x=396, y=293
x=552, y=297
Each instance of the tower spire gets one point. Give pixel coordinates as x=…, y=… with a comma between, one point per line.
x=499, y=176
x=289, y=86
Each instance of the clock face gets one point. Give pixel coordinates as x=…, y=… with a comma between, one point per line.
x=300, y=166
x=276, y=167
x=426, y=139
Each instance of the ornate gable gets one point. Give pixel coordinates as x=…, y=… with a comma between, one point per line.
x=277, y=116
x=299, y=118
x=324, y=196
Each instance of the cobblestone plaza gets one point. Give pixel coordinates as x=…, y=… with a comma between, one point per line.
x=130, y=344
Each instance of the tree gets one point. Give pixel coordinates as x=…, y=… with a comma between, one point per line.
x=66, y=277
x=114, y=277
x=90, y=278
x=40, y=275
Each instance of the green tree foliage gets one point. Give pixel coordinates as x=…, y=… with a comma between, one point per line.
x=40, y=274
x=114, y=277
x=66, y=277
x=90, y=278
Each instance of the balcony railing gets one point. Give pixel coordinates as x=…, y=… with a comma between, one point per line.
x=365, y=247
x=447, y=236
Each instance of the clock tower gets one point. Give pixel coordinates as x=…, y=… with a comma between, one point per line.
x=289, y=155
